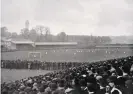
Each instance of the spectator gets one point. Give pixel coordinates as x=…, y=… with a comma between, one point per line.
x=113, y=85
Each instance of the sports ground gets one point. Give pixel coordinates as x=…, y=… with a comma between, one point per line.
x=67, y=55
x=58, y=55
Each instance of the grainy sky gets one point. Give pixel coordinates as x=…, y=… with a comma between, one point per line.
x=80, y=17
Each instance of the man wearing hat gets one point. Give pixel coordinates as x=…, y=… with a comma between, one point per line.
x=101, y=83
x=61, y=85
x=52, y=88
x=83, y=86
x=121, y=85
x=113, y=85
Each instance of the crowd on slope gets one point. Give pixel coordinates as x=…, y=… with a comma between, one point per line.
x=105, y=77
x=36, y=65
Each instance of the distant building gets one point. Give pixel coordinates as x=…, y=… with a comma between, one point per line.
x=16, y=44
x=45, y=45
x=115, y=45
x=5, y=44
x=22, y=44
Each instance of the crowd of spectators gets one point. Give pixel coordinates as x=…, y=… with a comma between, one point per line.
x=36, y=65
x=105, y=77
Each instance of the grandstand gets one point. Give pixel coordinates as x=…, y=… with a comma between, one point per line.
x=53, y=45
x=22, y=44
x=6, y=44
x=115, y=46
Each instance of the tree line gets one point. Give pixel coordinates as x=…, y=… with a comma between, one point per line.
x=43, y=34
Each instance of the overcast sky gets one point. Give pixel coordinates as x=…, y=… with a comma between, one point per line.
x=80, y=17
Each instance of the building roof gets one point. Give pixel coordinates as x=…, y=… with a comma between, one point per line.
x=21, y=41
x=115, y=45
x=56, y=43
x=4, y=39
x=26, y=41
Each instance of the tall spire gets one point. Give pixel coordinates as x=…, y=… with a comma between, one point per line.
x=27, y=24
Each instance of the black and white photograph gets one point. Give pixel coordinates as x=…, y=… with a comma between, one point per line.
x=66, y=46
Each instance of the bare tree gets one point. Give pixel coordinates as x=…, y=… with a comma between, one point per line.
x=33, y=35
x=25, y=33
x=44, y=33
x=40, y=30
x=14, y=35
x=4, y=32
x=48, y=36
x=62, y=36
